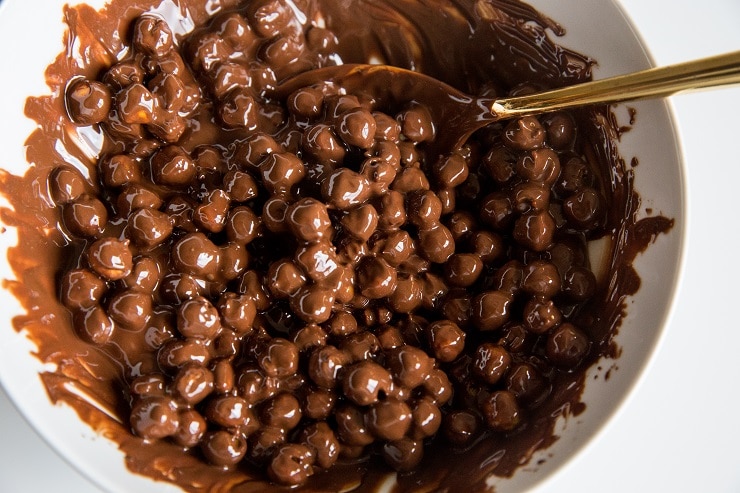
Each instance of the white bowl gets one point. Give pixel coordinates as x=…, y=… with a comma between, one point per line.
x=31, y=37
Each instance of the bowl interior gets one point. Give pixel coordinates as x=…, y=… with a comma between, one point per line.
x=594, y=27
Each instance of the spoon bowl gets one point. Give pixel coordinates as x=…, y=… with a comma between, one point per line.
x=457, y=115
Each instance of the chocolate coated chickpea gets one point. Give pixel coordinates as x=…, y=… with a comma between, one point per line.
x=561, y=129
x=389, y=419
x=423, y=209
x=197, y=255
x=526, y=383
x=318, y=260
x=407, y=296
x=85, y=217
x=541, y=315
x=392, y=211
x=446, y=340
x=539, y=165
x=130, y=309
x=88, y=102
x=426, y=418
x=223, y=371
x=490, y=362
x=457, y=307
x=357, y=128
x=584, y=209
x=211, y=213
x=198, y=318
x=524, y=134
x=361, y=222
x=152, y=36
x=136, y=105
x=499, y=163
x=240, y=186
x=268, y=17
x=436, y=244
x=280, y=171
x=309, y=337
x=531, y=196
x=172, y=166
x=66, y=184
x=342, y=324
x=313, y=303
x=144, y=276
x=291, y=464
x=230, y=412
x=535, y=230
x=320, y=438
x=193, y=383
x=154, y=417
x=223, y=448
x=491, y=309
x=433, y=291
x=306, y=102
x=397, y=247
x=487, y=245
x=177, y=288
x=254, y=386
x=460, y=427
x=279, y=358
x=176, y=353
x=509, y=277
x=345, y=188
x=318, y=403
x=237, y=312
x=404, y=454
x=242, y=225
x=309, y=220
x=579, y=283
x=451, y=171
x=191, y=428
x=501, y=411
x=263, y=443
x=363, y=382
x=417, y=124
x=409, y=365
x=463, y=269
x=376, y=278
x=284, y=278
x=575, y=174
x=438, y=386
x=410, y=179
x=360, y=346
x=150, y=227
x=497, y=211
x=81, y=289
x=93, y=324
x=389, y=337
x=351, y=427
x=541, y=278
x=323, y=144
x=461, y=224
x=282, y=411
x=567, y=345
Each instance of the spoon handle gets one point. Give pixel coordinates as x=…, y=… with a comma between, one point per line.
x=655, y=82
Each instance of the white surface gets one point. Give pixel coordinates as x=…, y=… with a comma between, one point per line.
x=680, y=429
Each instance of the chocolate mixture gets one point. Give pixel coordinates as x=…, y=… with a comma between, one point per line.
x=260, y=291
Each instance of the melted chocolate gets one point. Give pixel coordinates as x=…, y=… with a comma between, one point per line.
x=488, y=48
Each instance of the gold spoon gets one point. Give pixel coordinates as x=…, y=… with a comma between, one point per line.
x=457, y=115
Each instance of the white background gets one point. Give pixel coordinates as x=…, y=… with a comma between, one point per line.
x=680, y=430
